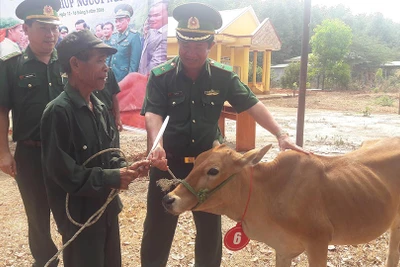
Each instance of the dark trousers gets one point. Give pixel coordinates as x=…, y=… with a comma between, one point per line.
x=96, y=246
x=159, y=227
x=33, y=192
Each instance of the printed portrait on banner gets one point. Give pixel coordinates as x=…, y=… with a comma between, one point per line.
x=136, y=28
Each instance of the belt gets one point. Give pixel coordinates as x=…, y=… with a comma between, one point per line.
x=31, y=143
x=172, y=158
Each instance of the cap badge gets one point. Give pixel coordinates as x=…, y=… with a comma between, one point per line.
x=193, y=23
x=48, y=11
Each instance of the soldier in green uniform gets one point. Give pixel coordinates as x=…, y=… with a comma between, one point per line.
x=28, y=81
x=191, y=89
x=127, y=42
x=75, y=126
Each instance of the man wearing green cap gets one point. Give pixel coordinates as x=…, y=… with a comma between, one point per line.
x=127, y=42
x=74, y=127
x=11, y=34
x=28, y=81
x=191, y=89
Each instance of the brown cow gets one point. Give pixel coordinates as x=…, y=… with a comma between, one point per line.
x=302, y=202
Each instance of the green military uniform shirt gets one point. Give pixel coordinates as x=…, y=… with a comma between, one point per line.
x=26, y=86
x=194, y=107
x=72, y=133
x=127, y=58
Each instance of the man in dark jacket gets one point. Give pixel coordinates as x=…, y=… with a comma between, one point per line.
x=74, y=127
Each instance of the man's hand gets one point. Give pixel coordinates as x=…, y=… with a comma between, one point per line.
x=119, y=124
x=141, y=167
x=127, y=175
x=158, y=158
x=285, y=143
x=7, y=164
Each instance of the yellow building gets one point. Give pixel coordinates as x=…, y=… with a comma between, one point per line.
x=240, y=34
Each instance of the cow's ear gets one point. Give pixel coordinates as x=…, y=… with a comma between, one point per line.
x=254, y=156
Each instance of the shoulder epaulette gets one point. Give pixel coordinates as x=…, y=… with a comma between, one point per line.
x=11, y=55
x=220, y=65
x=132, y=30
x=164, y=68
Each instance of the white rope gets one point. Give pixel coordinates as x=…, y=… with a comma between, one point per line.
x=96, y=216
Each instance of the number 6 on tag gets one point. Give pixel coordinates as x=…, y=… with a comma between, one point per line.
x=235, y=239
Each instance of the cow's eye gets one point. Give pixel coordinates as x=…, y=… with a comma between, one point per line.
x=213, y=171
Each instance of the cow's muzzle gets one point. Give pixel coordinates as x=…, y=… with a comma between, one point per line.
x=202, y=195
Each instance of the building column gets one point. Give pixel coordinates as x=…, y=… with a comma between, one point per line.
x=219, y=54
x=246, y=61
x=232, y=57
x=264, y=69
x=267, y=60
x=255, y=68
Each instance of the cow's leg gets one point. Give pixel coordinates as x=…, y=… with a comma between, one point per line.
x=283, y=260
x=394, y=242
x=317, y=253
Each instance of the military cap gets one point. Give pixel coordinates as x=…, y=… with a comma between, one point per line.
x=9, y=23
x=196, y=22
x=79, y=41
x=123, y=10
x=40, y=10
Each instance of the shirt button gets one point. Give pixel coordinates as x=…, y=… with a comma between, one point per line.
x=194, y=121
x=29, y=85
x=212, y=103
x=49, y=84
x=192, y=140
x=173, y=103
x=84, y=147
x=192, y=101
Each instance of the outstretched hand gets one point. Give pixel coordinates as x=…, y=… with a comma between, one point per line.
x=158, y=158
x=128, y=174
x=285, y=143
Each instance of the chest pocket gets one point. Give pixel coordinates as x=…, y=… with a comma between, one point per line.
x=177, y=108
x=212, y=106
x=29, y=83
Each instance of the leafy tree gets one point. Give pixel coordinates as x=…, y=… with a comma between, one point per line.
x=330, y=44
x=291, y=77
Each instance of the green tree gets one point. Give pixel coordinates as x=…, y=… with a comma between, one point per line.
x=330, y=44
x=291, y=77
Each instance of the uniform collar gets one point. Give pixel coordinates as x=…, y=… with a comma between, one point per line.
x=28, y=55
x=205, y=70
x=78, y=100
x=125, y=33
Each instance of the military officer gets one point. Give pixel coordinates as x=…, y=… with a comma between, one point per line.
x=191, y=89
x=10, y=34
x=127, y=42
x=28, y=81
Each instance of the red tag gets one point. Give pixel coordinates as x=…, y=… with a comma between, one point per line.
x=235, y=239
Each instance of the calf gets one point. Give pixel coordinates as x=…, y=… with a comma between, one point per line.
x=301, y=202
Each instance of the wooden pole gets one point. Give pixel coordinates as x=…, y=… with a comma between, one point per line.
x=303, y=73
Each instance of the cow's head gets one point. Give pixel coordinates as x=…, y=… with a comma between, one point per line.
x=212, y=170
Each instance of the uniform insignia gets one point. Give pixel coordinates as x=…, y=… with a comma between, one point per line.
x=175, y=94
x=220, y=65
x=48, y=11
x=163, y=68
x=212, y=92
x=193, y=23
x=27, y=76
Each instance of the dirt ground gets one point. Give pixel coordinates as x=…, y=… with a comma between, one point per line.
x=335, y=123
